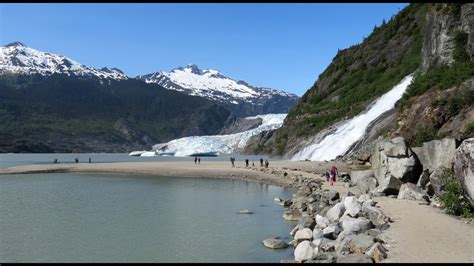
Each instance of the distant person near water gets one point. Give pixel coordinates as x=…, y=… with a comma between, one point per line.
x=266, y=163
x=246, y=162
x=77, y=160
x=55, y=160
x=199, y=160
x=261, y=162
x=232, y=160
x=89, y=160
x=253, y=164
x=195, y=160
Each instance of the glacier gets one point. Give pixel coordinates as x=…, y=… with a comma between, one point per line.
x=352, y=130
x=224, y=144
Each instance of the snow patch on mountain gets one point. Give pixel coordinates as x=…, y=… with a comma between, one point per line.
x=19, y=59
x=219, y=143
x=211, y=84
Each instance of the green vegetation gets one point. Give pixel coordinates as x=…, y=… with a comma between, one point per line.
x=424, y=134
x=454, y=198
x=359, y=74
x=61, y=110
x=469, y=130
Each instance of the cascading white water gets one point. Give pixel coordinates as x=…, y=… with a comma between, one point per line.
x=353, y=130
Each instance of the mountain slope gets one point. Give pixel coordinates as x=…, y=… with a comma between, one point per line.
x=424, y=39
x=60, y=113
x=237, y=96
x=17, y=58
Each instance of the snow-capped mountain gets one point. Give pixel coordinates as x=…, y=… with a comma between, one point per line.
x=213, y=85
x=19, y=59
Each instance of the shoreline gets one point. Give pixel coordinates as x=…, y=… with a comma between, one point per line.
x=280, y=173
x=412, y=237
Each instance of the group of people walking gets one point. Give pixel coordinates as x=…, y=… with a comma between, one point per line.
x=331, y=175
x=247, y=162
x=197, y=160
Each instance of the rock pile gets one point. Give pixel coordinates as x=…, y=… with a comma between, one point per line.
x=332, y=228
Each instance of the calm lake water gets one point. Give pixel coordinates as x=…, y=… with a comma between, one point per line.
x=138, y=218
x=10, y=159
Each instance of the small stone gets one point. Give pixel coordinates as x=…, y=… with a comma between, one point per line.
x=321, y=222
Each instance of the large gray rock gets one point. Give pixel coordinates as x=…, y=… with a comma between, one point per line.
x=332, y=231
x=356, y=224
x=394, y=160
x=437, y=153
x=375, y=215
x=291, y=215
x=360, y=175
x=354, y=258
x=436, y=184
x=360, y=244
x=321, y=222
x=336, y=212
x=304, y=234
x=409, y=191
x=341, y=242
x=304, y=251
x=366, y=185
x=424, y=179
x=274, y=243
x=326, y=257
x=464, y=167
x=307, y=221
x=377, y=252
x=352, y=206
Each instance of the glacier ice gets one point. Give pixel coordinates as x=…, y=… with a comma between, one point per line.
x=354, y=129
x=219, y=143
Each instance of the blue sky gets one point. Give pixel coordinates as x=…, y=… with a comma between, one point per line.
x=282, y=46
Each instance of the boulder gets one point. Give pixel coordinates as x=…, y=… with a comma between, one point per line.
x=389, y=186
x=291, y=215
x=332, y=231
x=375, y=215
x=336, y=212
x=437, y=153
x=356, y=224
x=360, y=175
x=328, y=246
x=341, y=242
x=464, y=167
x=304, y=234
x=366, y=185
x=326, y=257
x=424, y=179
x=394, y=160
x=352, y=206
x=304, y=251
x=360, y=243
x=275, y=243
x=436, y=184
x=377, y=252
x=364, y=197
x=354, y=258
x=409, y=191
x=321, y=222
x=317, y=234
x=307, y=221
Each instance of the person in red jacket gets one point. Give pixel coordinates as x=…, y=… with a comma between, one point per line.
x=332, y=177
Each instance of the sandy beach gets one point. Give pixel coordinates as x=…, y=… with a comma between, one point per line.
x=420, y=233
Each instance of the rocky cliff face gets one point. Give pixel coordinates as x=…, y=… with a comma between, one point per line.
x=436, y=39
x=442, y=22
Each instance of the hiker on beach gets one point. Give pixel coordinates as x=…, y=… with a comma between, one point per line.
x=332, y=178
x=199, y=160
x=195, y=160
x=77, y=160
x=328, y=174
x=261, y=162
x=55, y=160
x=246, y=162
x=232, y=160
x=89, y=160
x=266, y=163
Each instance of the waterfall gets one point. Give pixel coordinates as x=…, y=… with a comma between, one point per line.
x=353, y=129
